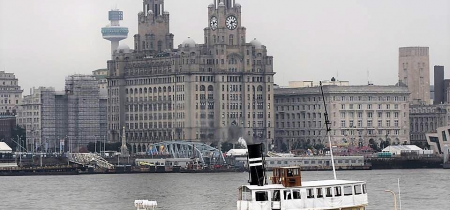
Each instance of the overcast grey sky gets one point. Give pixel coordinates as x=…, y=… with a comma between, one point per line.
x=42, y=41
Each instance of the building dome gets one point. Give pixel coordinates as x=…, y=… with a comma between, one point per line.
x=210, y=5
x=257, y=44
x=237, y=5
x=123, y=48
x=150, y=12
x=221, y=4
x=189, y=43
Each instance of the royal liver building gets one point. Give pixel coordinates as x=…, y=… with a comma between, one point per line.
x=213, y=92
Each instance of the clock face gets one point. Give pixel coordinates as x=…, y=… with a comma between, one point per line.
x=231, y=22
x=214, y=23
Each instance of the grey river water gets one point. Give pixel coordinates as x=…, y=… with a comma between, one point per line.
x=421, y=189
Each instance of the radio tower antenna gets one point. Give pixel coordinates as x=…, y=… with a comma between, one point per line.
x=328, y=127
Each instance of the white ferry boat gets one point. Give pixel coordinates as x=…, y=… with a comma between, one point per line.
x=288, y=192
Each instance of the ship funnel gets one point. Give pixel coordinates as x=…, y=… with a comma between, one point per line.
x=256, y=164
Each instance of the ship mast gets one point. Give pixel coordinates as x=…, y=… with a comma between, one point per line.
x=328, y=127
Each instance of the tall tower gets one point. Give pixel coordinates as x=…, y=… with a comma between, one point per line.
x=114, y=32
x=154, y=29
x=439, y=88
x=414, y=71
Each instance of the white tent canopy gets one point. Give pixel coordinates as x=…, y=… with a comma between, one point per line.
x=237, y=152
x=398, y=149
x=4, y=148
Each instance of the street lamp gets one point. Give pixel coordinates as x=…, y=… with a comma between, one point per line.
x=395, y=198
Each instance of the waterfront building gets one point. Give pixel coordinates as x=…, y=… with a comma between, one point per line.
x=333, y=81
x=426, y=119
x=114, y=32
x=439, y=140
x=10, y=93
x=37, y=116
x=414, y=72
x=212, y=92
x=100, y=75
x=72, y=116
x=359, y=115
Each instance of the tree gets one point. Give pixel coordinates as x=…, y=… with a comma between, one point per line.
x=319, y=146
x=21, y=132
x=226, y=146
x=284, y=147
x=373, y=145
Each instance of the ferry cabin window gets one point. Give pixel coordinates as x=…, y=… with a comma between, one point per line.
x=310, y=193
x=328, y=192
x=338, y=191
x=296, y=194
x=358, y=190
x=319, y=192
x=276, y=195
x=287, y=195
x=348, y=190
x=246, y=194
x=261, y=196
x=364, y=189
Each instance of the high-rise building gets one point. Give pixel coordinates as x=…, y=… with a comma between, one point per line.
x=76, y=116
x=10, y=93
x=414, y=72
x=83, y=108
x=37, y=116
x=439, y=88
x=217, y=91
x=359, y=115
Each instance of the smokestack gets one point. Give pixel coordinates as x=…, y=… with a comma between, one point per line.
x=256, y=164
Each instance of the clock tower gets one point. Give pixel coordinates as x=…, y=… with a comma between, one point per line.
x=224, y=21
x=154, y=33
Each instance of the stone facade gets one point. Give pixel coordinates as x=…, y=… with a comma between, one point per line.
x=359, y=115
x=100, y=75
x=10, y=93
x=414, y=72
x=426, y=119
x=217, y=91
x=37, y=116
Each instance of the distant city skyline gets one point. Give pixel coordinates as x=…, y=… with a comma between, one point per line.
x=42, y=42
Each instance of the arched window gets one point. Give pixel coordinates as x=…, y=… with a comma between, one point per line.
x=202, y=88
x=169, y=89
x=150, y=90
x=145, y=90
x=155, y=90
x=140, y=90
x=135, y=91
x=260, y=88
x=126, y=91
x=164, y=89
x=210, y=88
x=231, y=39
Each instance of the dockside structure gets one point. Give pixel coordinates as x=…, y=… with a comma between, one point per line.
x=359, y=115
x=213, y=92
